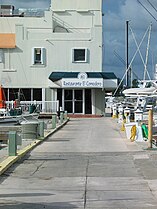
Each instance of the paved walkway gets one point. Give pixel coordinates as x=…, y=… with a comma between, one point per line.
x=86, y=164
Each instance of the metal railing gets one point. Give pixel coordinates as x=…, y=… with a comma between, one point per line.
x=41, y=106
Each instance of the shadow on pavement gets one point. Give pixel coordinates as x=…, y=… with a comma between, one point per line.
x=54, y=205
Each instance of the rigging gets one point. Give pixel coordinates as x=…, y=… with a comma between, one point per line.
x=147, y=10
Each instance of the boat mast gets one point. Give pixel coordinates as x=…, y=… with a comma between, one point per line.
x=147, y=53
x=128, y=71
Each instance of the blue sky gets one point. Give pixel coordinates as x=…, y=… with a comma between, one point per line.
x=116, y=12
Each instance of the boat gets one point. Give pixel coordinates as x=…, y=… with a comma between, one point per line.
x=15, y=114
x=147, y=88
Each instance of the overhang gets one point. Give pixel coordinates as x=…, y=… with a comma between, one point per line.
x=55, y=76
x=7, y=40
x=106, y=80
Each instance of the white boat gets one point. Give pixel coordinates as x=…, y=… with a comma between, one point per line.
x=19, y=118
x=147, y=87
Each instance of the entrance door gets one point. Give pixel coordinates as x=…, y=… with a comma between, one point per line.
x=88, y=101
x=68, y=100
x=73, y=101
x=78, y=101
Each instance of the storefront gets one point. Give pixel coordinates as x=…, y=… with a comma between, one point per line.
x=83, y=93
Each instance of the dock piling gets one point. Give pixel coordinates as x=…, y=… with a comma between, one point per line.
x=54, y=120
x=12, y=146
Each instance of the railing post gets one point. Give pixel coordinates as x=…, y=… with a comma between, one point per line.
x=41, y=128
x=150, y=128
x=54, y=120
x=12, y=146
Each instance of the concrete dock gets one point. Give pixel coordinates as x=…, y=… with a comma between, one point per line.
x=88, y=163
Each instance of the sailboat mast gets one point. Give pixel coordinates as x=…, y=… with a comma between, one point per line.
x=147, y=53
x=128, y=73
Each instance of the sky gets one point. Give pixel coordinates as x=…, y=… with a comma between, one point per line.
x=116, y=13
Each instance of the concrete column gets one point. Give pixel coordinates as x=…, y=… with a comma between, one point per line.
x=43, y=99
x=63, y=93
x=65, y=115
x=12, y=146
x=93, y=101
x=41, y=129
x=54, y=120
x=32, y=95
x=61, y=117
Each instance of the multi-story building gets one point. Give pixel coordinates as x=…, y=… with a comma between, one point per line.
x=57, y=56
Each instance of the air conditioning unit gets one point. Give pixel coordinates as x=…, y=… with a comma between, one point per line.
x=7, y=9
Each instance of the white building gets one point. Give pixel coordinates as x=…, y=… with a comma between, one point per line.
x=57, y=56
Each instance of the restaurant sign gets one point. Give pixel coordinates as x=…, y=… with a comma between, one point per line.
x=82, y=82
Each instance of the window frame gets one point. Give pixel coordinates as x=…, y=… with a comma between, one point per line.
x=86, y=55
x=42, y=62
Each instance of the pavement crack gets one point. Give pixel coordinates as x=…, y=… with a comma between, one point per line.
x=85, y=193
x=37, y=169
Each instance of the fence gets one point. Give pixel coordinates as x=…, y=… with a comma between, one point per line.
x=41, y=106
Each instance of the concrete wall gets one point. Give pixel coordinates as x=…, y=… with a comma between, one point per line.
x=99, y=102
x=84, y=29
x=82, y=5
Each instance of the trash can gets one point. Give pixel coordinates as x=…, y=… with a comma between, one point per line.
x=32, y=109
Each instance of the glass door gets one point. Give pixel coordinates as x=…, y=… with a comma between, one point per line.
x=73, y=101
x=68, y=100
x=88, y=101
x=78, y=101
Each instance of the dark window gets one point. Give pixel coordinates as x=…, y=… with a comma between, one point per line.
x=68, y=95
x=25, y=94
x=79, y=55
x=68, y=106
x=37, y=94
x=13, y=94
x=59, y=97
x=37, y=56
x=6, y=94
x=88, y=101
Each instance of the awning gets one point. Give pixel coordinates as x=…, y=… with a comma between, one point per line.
x=102, y=80
x=7, y=40
x=55, y=76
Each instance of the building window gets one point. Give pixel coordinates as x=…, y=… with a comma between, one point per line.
x=79, y=55
x=38, y=56
x=37, y=94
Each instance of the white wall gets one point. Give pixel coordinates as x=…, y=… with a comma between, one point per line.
x=59, y=5
x=17, y=70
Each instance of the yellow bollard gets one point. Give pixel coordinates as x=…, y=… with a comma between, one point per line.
x=133, y=133
x=123, y=126
x=150, y=128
